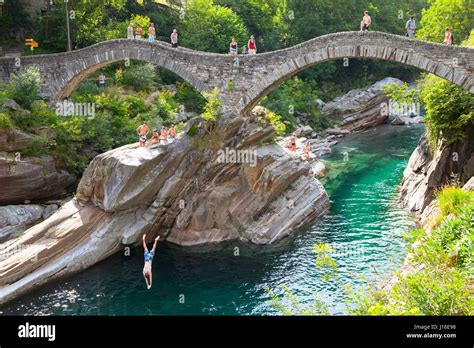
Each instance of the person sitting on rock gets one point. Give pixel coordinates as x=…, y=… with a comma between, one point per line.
x=148, y=260
x=172, y=132
x=306, y=151
x=143, y=131
x=164, y=134
x=292, y=144
x=155, y=138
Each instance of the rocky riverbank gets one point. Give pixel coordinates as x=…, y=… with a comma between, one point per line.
x=28, y=178
x=428, y=170
x=180, y=191
x=356, y=111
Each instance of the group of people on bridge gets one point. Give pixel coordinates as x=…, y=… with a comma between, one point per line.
x=410, y=28
x=251, y=47
x=137, y=34
x=165, y=136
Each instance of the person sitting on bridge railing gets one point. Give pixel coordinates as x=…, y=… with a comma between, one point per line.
x=151, y=33
x=448, y=36
x=138, y=33
x=130, y=31
x=366, y=22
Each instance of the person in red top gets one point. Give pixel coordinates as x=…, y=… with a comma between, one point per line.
x=138, y=33
x=252, y=45
x=172, y=132
x=448, y=36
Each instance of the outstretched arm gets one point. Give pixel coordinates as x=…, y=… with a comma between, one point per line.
x=154, y=244
x=144, y=243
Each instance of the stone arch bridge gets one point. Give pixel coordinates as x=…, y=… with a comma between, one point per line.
x=244, y=80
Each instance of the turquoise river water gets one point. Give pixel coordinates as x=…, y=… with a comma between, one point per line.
x=363, y=227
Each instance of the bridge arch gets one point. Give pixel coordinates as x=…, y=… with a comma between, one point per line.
x=453, y=63
x=254, y=76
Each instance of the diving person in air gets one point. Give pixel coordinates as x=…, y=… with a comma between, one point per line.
x=148, y=260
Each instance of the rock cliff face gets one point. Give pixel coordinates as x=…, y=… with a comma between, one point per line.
x=428, y=170
x=187, y=194
x=365, y=108
x=14, y=219
x=31, y=178
x=28, y=178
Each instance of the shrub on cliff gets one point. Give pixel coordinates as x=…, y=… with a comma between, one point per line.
x=24, y=87
x=449, y=110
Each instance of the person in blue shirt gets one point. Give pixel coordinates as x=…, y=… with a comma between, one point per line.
x=148, y=260
x=411, y=27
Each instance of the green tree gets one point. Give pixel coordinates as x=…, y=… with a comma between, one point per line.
x=458, y=15
x=449, y=110
x=208, y=27
x=24, y=87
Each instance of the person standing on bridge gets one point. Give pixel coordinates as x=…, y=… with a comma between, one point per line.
x=174, y=38
x=151, y=33
x=233, y=49
x=130, y=32
x=102, y=79
x=138, y=33
x=148, y=260
x=448, y=36
x=366, y=22
x=252, y=45
x=411, y=27
x=142, y=132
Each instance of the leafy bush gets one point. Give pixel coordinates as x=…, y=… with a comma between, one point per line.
x=297, y=98
x=213, y=107
x=5, y=121
x=449, y=110
x=452, y=199
x=37, y=146
x=24, y=87
x=446, y=254
x=86, y=92
x=139, y=77
x=191, y=99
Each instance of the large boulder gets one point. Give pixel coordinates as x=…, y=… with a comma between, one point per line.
x=362, y=108
x=12, y=140
x=15, y=219
x=429, y=169
x=31, y=178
